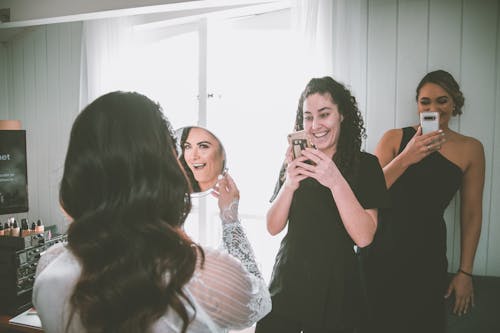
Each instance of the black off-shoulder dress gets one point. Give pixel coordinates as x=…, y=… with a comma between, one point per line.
x=408, y=272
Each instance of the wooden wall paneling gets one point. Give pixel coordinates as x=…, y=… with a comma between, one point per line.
x=3, y=83
x=16, y=97
x=69, y=84
x=478, y=84
x=381, y=69
x=18, y=105
x=411, y=61
x=30, y=124
x=42, y=119
x=445, y=47
x=492, y=231
x=54, y=97
x=10, y=81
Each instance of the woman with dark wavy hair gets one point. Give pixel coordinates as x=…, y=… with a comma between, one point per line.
x=329, y=199
x=128, y=266
x=202, y=156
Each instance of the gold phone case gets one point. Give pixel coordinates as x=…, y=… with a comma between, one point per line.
x=299, y=141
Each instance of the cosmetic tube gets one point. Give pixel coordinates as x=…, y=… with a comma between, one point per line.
x=14, y=230
x=40, y=228
x=6, y=229
x=25, y=229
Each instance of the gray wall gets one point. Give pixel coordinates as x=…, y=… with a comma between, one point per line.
x=397, y=43
x=39, y=85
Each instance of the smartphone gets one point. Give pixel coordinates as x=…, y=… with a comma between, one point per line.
x=429, y=121
x=299, y=142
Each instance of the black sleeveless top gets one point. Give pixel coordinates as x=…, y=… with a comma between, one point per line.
x=315, y=277
x=419, y=198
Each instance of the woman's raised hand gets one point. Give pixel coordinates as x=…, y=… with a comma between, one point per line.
x=422, y=145
x=322, y=168
x=293, y=172
x=228, y=197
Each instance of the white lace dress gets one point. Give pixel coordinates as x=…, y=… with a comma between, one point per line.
x=228, y=293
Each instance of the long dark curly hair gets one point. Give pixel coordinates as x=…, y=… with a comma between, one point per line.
x=352, y=130
x=128, y=197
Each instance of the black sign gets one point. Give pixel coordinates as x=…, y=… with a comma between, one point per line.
x=13, y=172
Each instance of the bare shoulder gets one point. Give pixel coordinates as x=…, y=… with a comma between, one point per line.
x=394, y=134
x=471, y=150
x=470, y=145
x=389, y=143
x=391, y=138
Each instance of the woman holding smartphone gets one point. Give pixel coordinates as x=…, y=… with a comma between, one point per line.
x=423, y=173
x=328, y=197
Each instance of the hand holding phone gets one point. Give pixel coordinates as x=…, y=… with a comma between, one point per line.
x=299, y=141
x=429, y=121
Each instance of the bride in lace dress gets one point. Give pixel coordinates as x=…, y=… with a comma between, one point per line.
x=128, y=266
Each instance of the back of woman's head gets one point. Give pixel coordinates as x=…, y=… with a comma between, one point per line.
x=446, y=81
x=127, y=195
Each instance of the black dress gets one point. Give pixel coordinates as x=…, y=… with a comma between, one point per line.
x=315, y=278
x=408, y=274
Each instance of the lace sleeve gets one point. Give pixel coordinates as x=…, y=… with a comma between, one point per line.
x=235, y=240
x=230, y=286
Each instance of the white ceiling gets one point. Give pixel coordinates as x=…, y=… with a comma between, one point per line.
x=25, y=14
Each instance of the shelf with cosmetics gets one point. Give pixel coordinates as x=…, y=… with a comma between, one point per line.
x=21, y=246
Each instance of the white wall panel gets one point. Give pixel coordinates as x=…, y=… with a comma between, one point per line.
x=411, y=61
x=381, y=77
x=492, y=231
x=478, y=84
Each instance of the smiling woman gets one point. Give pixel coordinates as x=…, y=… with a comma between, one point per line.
x=202, y=156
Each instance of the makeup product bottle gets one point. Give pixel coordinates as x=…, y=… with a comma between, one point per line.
x=6, y=229
x=40, y=228
x=33, y=228
x=1, y=229
x=14, y=231
x=25, y=230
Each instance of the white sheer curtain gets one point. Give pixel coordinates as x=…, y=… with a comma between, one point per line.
x=331, y=33
x=107, y=49
x=313, y=22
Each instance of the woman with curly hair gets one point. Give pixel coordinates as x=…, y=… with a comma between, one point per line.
x=329, y=198
x=128, y=266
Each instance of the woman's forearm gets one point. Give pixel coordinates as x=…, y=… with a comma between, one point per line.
x=277, y=215
x=360, y=223
x=394, y=169
x=470, y=233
